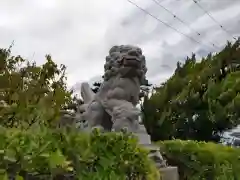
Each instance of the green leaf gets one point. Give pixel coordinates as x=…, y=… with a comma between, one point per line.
x=19, y=177
x=57, y=159
x=10, y=155
x=4, y=176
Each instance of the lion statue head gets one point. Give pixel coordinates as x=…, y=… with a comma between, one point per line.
x=126, y=60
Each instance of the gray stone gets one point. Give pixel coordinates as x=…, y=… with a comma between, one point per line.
x=113, y=107
x=155, y=155
x=142, y=135
x=143, y=138
x=169, y=173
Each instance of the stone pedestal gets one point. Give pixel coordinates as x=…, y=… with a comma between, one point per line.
x=154, y=151
x=142, y=135
x=143, y=138
x=169, y=173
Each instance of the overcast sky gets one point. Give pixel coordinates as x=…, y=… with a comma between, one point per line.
x=79, y=33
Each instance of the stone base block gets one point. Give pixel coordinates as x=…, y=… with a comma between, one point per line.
x=143, y=138
x=151, y=147
x=169, y=173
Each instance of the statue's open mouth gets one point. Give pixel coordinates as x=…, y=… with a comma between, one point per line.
x=131, y=61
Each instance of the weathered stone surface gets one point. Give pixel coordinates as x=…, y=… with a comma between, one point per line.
x=142, y=135
x=169, y=173
x=113, y=107
x=143, y=138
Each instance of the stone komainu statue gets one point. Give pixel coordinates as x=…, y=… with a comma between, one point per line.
x=113, y=107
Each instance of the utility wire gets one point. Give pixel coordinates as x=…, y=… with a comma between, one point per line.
x=201, y=7
x=176, y=17
x=166, y=24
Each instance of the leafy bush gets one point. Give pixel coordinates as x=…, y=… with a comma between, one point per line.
x=200, y=101
x=201, y=160
x=30, y=92
x=55, y=154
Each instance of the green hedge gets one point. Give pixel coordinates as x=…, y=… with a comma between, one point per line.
x=62, y=154
x=202, y=161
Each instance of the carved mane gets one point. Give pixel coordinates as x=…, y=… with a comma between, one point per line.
x=123, y=59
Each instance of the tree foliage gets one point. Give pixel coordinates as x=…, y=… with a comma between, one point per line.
x=199, y=101
x=29, y=92
x=96, y=86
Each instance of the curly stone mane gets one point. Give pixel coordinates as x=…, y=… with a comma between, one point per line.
x=125, y=59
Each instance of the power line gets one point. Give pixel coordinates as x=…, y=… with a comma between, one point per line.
x=166, y=24
x=201, y=7
x=176, y=17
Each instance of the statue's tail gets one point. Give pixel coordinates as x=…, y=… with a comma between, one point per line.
x=86, y=93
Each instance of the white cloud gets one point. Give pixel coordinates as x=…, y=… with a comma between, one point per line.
x=79, y=33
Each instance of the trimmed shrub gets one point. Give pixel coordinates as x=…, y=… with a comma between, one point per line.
x=68, y=154
x=201, y=160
